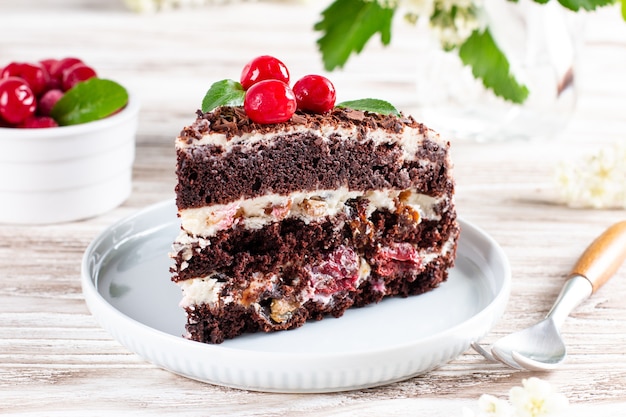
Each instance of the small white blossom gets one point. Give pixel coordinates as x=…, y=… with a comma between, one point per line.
x=142, y=6
x=452, y=21
x=461, y=4
x=146, y=6
x=596, y=181
x=390, y=4
x=537, y=398
x=416, y=8
x=491, y=406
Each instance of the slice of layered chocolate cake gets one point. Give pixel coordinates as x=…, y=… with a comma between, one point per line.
x=303, y=219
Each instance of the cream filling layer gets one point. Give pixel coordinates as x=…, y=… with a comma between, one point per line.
x=204, y=290
x=410, y=139
x=308, y=206
x=207, y=290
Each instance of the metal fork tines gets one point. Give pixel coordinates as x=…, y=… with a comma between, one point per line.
x=487, y=354
x=513, y=359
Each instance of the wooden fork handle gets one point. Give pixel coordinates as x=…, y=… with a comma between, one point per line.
x=603, y=257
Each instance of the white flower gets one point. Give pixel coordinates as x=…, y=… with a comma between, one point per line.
x=537, y=398
x=391, y=4
x=417, y=8
x=142, y=5
x=596, y=181
x=461, y=4
x=145, y=6
x=156, y=5
x=452, y=21
x=491, y=406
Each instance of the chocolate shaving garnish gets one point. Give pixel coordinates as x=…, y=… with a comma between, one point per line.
x=298, y=119
x=355, y=115
x=233, y=121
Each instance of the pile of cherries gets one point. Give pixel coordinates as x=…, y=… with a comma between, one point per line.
x=28, y=91
x=270, y=99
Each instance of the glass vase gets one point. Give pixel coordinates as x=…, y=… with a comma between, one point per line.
x=540, y=42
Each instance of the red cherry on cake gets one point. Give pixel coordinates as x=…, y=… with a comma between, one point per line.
x=17, y=101
x=262, y=68
x=270, y=101
x=315, y=93
x=35, y=75
x=76, y=74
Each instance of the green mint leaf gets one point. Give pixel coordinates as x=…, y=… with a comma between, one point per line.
x=89, y=100
x=347, y=25
x=223, y=93
x=490, y=65
x=624, y=9
x=372, y=105
x=585, y=4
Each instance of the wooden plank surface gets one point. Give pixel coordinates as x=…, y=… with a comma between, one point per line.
x=56, y=360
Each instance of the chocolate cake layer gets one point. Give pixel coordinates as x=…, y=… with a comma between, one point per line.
x=302, y=162
x=239, y=251
x=216, y=323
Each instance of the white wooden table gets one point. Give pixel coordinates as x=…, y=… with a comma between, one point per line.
x=56, y=360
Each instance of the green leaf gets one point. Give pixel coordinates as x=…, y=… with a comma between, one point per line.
x=372, y=105
x=490, y=65
x=223, y=93
x=624, y=9
x=89, y=100
x=585, y=4
x=347, y=25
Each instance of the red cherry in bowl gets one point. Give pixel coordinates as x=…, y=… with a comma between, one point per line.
x=47, y=101
x=76, y=74
x=35, y=75
x=61, y=65
x=38, y=122
x=270, y=101
x=49, y=65
x=264, y=67
x=315, y=93
x=17, y=101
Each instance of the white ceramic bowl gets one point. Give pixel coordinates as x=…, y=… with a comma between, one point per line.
x=67, y=173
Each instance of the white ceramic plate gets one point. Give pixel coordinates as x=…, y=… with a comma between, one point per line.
x=126, y=283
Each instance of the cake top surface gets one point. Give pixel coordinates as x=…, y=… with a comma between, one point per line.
x=265, y=103
x=233, y=122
